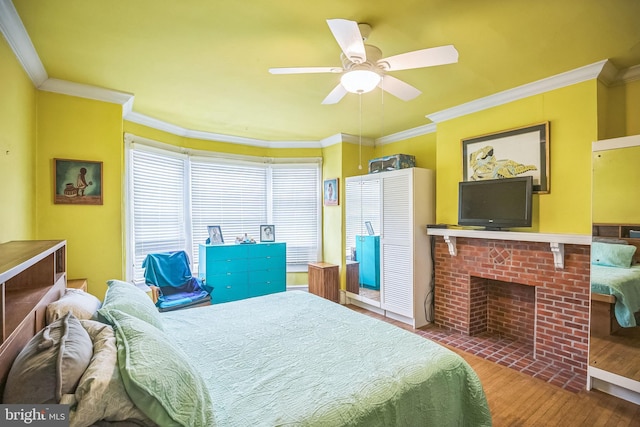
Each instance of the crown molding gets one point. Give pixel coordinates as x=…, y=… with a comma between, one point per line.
x=16, y=35
x=406, y=134
x=558, y=81
x=80, y=90
x=630, y=74
x=209, y=136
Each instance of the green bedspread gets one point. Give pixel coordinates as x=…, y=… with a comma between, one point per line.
x=624, y=284
x=293, y=358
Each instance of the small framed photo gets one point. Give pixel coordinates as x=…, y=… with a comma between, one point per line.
x=215, y=235
x=330, y=191
x=369, y=227
x=267, y=233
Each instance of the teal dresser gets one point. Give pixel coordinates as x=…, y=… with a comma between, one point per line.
x=243, y=271
x=368, y=254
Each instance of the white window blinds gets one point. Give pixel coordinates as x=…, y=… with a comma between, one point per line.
x=233, y=196
x=296, y=209
x=173, y=197
x=157, y=205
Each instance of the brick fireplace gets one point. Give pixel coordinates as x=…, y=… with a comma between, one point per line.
x=516, y=289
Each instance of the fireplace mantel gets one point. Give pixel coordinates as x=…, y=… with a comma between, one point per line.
x=556, y=241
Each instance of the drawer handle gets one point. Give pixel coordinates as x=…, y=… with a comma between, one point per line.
x=228, y=287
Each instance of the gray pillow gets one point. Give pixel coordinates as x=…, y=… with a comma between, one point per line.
x=129, y=299
x=51, y=363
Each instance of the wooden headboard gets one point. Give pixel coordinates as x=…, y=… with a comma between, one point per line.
x=32, y=275
x=619, y=231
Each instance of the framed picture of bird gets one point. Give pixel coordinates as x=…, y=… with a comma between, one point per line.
x=515, y=152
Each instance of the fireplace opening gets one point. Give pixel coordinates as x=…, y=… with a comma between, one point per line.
x=502, y=309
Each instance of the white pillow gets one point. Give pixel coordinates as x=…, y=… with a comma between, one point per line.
x=100, y=394
x=81, y=304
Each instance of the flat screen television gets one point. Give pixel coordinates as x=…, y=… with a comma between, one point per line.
x=496, y=203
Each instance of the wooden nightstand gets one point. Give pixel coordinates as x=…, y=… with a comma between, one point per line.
x=324, y=280
x=77, y=284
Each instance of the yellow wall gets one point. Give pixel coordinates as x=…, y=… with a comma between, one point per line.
x=423, y=147
x=77, y=128
x=616, y=176
x=621, y=107
x=572, y=113
x=17, y=149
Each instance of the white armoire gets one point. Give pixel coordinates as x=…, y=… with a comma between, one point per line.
x=397, y=205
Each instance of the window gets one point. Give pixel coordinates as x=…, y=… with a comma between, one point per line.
x=173, y=197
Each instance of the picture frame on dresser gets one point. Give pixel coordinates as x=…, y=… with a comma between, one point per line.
x=215, y=235
x=515, y=152
x=267, y=233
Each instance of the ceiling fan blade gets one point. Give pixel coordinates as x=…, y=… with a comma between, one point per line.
x=398, y=88
x=348, y=36
x=305, y=70
x=421, y=58
x=335, y=95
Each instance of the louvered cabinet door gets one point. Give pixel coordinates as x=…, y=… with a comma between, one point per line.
x=397, y=243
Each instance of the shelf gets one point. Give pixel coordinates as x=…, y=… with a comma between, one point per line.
x=556, y=241
x=32, y=275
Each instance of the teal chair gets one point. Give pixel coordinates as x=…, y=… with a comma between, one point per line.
x=173, y=286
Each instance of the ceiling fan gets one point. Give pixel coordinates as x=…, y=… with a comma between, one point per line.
x=363, y=67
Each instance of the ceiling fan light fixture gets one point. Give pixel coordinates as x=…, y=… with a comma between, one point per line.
x=360, y=81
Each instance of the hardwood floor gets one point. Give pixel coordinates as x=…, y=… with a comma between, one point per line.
x=517, y=399
x=618, y=353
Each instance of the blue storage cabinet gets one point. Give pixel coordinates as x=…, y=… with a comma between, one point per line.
x=243, y=271
x=368, y=254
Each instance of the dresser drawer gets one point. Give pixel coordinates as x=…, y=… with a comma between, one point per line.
x=225, y=252
x=265, y=288
x=266, y=262
x=225, y=292
x=267, y=249
x=227, y=278
x=226, y=266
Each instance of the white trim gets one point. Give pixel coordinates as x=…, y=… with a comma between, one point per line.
x=630, y=74
x=578, y=75
x=80, y=90
x=613, y=143
x=18, y=38
x=523, y=236
x=130, y=138
x=406, y=134
x=613, y=384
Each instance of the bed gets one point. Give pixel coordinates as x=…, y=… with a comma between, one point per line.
x=615, y=286
x=290, y=358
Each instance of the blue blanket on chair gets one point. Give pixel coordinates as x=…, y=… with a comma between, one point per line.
x=171, y=273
